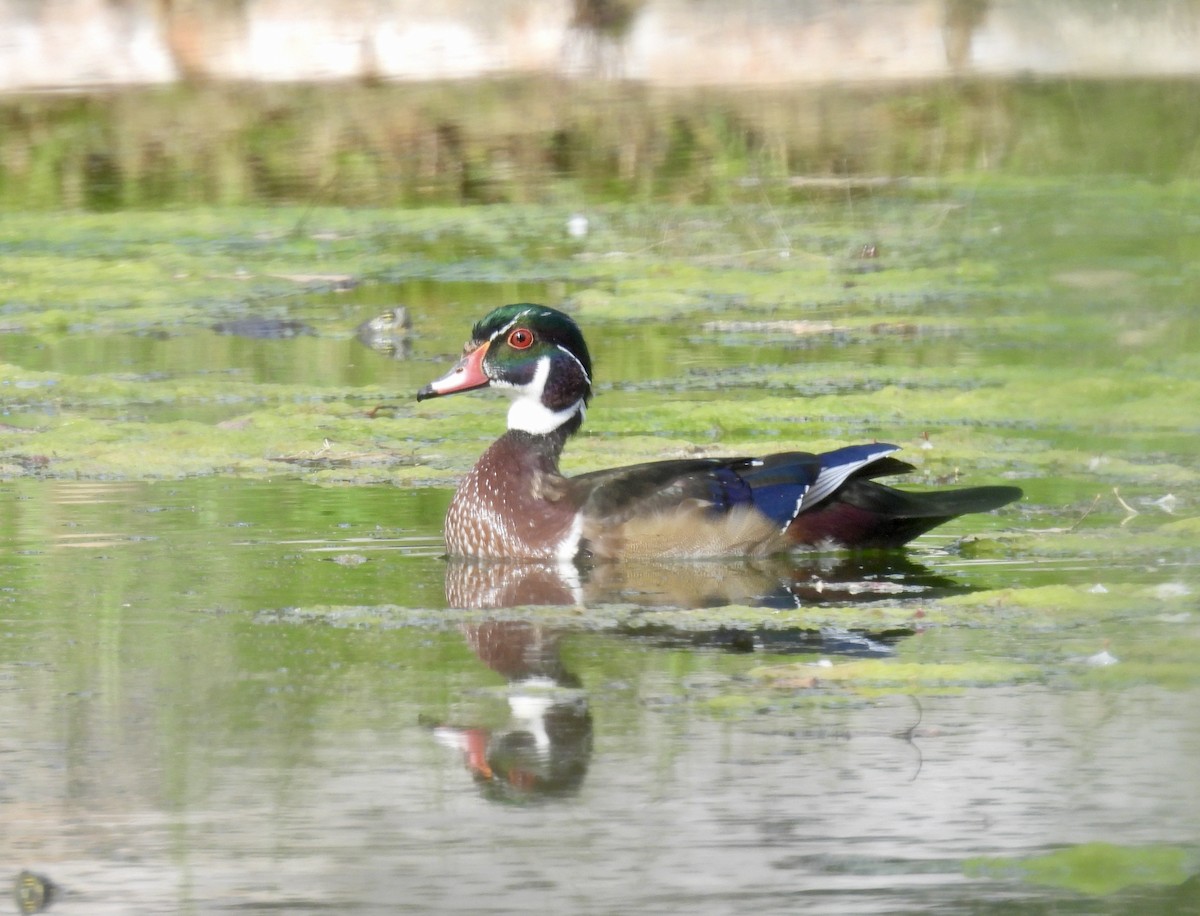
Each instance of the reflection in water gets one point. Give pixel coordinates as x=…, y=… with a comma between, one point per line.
x=389, y=333
x=167, y=747
x=544, y=747
x=794, y=580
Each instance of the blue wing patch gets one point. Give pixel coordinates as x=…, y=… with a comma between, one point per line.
x=781, y=486
x=774, y=485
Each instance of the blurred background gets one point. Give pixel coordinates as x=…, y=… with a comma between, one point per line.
x=113, y=103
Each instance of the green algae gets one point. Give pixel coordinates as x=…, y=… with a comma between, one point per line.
x=1094, y=869
x=958, y=343
x=949, y=347
x=1001, y=638
x=888, y=676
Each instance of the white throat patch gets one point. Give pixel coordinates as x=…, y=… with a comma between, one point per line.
x=531, y=416
x=528, y=413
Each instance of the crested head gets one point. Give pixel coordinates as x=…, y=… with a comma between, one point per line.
x=522, y=333
x=534, y=353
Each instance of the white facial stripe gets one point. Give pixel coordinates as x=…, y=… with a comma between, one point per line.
x=535, y=386
x=508, y=327
x=577, y=362
x=527, y=412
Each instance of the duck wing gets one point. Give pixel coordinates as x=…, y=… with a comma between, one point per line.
x=706, y=507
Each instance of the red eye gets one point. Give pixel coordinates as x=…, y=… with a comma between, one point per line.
x=521, y=339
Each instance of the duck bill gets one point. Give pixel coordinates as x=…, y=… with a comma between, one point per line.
x=467, y=375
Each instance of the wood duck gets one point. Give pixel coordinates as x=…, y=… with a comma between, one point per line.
x=515, y=504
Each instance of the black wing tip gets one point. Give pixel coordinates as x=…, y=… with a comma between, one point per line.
x=998, y=495
x=963, y=501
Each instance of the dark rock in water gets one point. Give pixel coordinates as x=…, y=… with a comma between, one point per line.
x=263, y=328
x=387, y=333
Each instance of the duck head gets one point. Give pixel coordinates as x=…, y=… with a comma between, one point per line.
x=533, y=353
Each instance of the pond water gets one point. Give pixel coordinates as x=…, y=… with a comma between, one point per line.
x=186, y=731
x=237, y=674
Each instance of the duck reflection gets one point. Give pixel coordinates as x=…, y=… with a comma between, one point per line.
x=544, y=748
x=785, y=582
x=389, y=333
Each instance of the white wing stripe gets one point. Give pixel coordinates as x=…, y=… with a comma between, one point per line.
x=831, y=478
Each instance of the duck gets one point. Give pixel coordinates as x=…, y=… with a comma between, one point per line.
x=515, y=504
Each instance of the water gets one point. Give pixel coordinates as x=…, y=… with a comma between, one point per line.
x=188, y=731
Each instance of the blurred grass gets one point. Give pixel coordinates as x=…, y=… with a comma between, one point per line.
x=539, y=140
